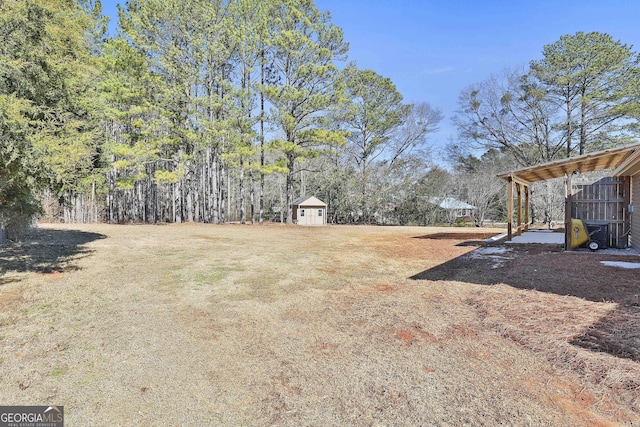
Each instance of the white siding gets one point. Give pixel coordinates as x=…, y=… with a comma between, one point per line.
x=311, y=216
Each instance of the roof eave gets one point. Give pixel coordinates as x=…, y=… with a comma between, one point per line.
x=630, y=166
x=598, y=160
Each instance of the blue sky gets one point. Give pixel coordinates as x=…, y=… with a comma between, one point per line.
x=433, y=49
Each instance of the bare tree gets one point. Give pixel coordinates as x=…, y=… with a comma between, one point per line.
x=509, y=112
x=476, y=181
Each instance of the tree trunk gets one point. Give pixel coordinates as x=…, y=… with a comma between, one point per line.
x=154, y=192
x=363, y=194
x=177, y=209
x=243, y=213
x=227, y=177
x=112, y=197
x=252, y=192
x=215, y=189
x=569, y=128
x=583, y=125
x=289, y=189
x=94, y=208
x=189, y=201
x=261, y=208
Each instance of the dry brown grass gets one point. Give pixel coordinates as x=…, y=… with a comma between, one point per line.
x=246, y=325
x=554, y=327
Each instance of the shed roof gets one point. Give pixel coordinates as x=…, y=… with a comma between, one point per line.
x=308, y=201
x=622, y=159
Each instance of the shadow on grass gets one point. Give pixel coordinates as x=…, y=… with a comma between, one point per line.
x=546, y=268
x=617, y=334
x=45, y=251
x=467, y=235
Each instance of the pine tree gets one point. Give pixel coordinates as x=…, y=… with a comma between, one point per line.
x=303, y=54
x=48, y=119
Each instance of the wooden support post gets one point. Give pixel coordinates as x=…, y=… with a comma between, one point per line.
x=627, y=216
x=526, y=207
x=509, y=208
x=519, y=207
x=567, y=214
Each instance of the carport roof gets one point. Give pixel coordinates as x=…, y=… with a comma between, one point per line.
x=622, y=159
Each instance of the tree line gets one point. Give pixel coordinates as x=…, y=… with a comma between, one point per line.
x=227, y=110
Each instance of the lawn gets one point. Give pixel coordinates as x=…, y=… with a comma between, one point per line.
x=194, y=325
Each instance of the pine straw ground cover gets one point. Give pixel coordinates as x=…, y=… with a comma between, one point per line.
x=247, y=325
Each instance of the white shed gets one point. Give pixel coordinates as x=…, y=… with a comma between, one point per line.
x=309, y=210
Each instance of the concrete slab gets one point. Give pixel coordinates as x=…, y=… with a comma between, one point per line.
x=539, y=236
x=557, y=238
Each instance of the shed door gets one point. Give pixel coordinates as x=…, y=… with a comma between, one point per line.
x=312, y=217
x=318, y=216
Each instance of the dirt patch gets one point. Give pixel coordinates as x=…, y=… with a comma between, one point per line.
x=9, y=299
x=248, y=325
x=382, y=287
x=414, y=335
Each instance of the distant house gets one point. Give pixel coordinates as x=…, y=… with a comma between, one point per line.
x=454, y=208
x=309, y=210
x=457, y=207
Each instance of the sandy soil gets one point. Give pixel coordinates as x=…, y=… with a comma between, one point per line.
x=193, y=325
